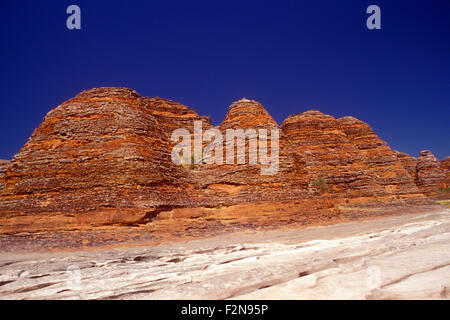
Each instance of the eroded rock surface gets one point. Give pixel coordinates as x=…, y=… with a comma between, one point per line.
x=101, y=153
x=4, y=165
x=409, y=163
x=429, y=173
x=382, y=162
x=445, y=166
x=103, y=159
x=396, y=257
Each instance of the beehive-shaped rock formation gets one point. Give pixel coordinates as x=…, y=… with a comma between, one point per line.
x=102, y=151
x=104, y=158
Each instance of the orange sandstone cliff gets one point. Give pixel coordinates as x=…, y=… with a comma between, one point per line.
x=4, y=165
x=445, y=166
x=103, y=158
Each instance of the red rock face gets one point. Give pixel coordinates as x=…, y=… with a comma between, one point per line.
x=171, y=115
x=4, y=165
x=248, y=114
x=445, y=166
x=101, y=152
x=228, y=184
x=104, y=158
x=444, y=190
x=381, y=161
x=323, y=152
x=429, y=173
x=431, y=177
x=409, y=163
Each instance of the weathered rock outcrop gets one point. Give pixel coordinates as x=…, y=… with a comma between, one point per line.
x=234, y=183
x=381, y=161
x=409, y=163
x=323, y=153
x=4, y=165
x=429, y=173
x=171, y=115
x=247, y=114
x=445, y=166
x=100, y=157
x=104, y=158
x=431, y=177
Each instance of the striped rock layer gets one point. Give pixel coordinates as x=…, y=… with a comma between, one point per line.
x=104, y=158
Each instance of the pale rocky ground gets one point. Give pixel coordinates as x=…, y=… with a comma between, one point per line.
x=396, y=257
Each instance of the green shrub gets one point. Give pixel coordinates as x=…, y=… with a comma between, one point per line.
x=321, y=184
x=188, y=162
x=444, y=203
x=444, y=190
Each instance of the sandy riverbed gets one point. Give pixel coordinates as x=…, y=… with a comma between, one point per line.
x=399, y=257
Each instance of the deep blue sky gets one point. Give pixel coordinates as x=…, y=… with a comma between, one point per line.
x=289, y=55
